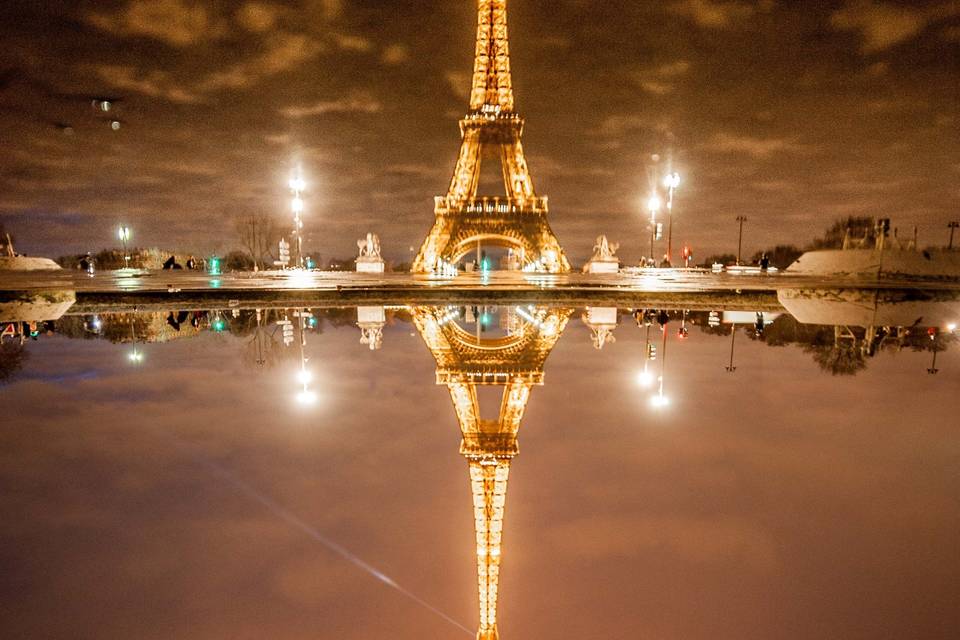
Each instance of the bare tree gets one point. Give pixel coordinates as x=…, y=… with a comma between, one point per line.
x=258, y=234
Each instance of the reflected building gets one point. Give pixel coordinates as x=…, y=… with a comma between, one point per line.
x=465, y=362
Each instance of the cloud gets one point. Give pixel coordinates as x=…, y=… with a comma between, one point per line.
x=284, y=51
x=883, y=25
x=257, y=17
x=352, y=43
x=460, y=83
x=712, y=14
x=395, y=54
x=157, y=84
x=759, y=148
x=175, y=22
x=661, y=80
x=359, y=103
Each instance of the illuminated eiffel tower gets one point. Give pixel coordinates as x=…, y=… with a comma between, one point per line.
x=514, y=362
x=464, y=219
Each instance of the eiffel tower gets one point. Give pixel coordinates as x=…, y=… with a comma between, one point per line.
x=464, y=219
x=515, y=362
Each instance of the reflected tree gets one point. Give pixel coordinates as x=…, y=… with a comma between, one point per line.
x=13, y=355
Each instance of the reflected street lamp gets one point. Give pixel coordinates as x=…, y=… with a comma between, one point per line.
x=733, y=342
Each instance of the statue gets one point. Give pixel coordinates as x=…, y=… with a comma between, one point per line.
x=369, y=246
x=604, y=250
x=369, y=260
x=604, y=258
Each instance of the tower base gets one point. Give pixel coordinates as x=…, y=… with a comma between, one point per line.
x=505, y=222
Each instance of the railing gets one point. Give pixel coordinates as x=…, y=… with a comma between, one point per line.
x=446, y=204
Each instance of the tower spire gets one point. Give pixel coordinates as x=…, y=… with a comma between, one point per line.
x=492, y=86
x=464, y=218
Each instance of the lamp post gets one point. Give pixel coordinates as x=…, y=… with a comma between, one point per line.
x=653, y=206
x=672, y=182
x=953, y=227
x=124, y=234
x=297, y=187
x=741, y=220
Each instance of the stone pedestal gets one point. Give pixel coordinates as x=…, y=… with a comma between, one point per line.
x=603, y=266
x=370, y=266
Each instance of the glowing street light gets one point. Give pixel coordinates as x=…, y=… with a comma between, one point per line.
x=297, y=186
x=653, y=206
x=672, y=183
x=124, y=234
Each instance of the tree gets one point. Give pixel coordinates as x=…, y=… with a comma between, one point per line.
x=238, y=261
x=859, y=226
x=258, y=234
x=4, y=239
x=781, y=256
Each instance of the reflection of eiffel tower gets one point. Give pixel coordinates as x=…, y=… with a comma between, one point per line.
x=514, y=362
x=517, y=221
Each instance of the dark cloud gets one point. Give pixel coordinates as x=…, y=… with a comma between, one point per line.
x=730, y=93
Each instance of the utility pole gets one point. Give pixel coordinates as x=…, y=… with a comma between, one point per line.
x=953, y=227
x=741, y=220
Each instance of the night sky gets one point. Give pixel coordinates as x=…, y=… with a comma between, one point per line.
x=791, y=113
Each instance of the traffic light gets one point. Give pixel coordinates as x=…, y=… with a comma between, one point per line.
x=651, y=352
x=659, y=232
x=214, y=266
x=218, y=324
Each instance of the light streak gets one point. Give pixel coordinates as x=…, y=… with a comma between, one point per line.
x=311, y=532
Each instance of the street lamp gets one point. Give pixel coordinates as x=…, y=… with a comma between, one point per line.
x=124, y=234
x=671, y=182
x=297, y=186
x=741, y=220
x=653, y=206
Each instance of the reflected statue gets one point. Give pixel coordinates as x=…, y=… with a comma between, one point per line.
x=602, y=321
x=370, y=320
x=464, y=362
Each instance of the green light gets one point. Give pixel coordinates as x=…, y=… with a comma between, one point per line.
x=214, y=266
x=218, y=325
x=485, y=265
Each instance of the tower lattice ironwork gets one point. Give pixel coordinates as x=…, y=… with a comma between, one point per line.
x=464, y=362
x=464, y=219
